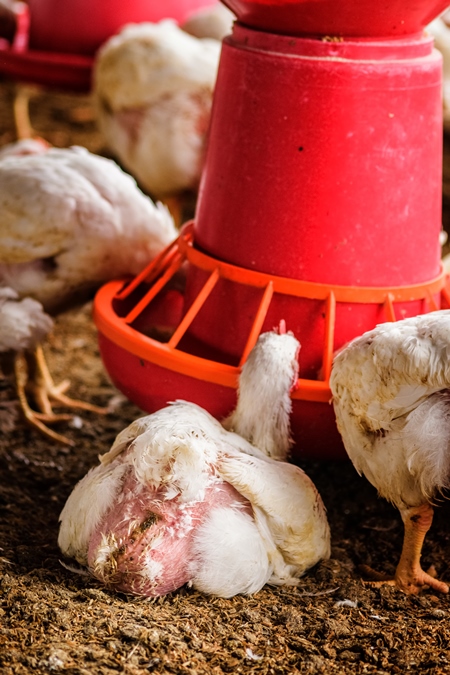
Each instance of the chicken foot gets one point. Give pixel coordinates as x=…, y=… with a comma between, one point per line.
x=35, y=419
x=409, y=575
x=45, y=390
x=32, y=375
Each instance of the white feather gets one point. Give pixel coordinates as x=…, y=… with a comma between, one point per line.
x=268, y=376
x=85, y=507
x=153, y=86
x=23, y=323
x=392, y=407
x=71, y=220
x=230, y=555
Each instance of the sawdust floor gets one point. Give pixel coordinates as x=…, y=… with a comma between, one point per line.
x=52, y=620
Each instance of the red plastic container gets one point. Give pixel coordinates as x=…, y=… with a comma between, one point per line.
x=80, y=26
x=332, y=174
x=349, y=18
x=58, y=48
x=320, y=204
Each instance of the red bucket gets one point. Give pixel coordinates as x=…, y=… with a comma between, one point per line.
x=324, y=165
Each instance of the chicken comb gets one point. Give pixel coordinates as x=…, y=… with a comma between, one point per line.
x=281, y=328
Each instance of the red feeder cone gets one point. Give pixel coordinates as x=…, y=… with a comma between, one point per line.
x=320, y=204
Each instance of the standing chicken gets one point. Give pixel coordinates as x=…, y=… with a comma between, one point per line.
x=153, y=87
x=69, y=221
x=392, y=401
x=179, y=499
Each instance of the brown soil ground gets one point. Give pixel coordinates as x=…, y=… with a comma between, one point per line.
x=53, y=620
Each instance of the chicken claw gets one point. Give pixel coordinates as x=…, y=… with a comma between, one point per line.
x=412, y=585
x=36, y=419
x=45, y=390
x=409, y=575
x=32, y=374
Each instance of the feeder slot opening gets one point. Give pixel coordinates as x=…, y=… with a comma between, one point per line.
x=258, y=322
x=194, y=308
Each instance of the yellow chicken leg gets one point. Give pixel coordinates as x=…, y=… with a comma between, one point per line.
x=35, y=419
x=21, y=110
x=32, y=375
x=409, y=575
x=45, y=390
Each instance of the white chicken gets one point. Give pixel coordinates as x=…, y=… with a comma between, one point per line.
x=23, y=323
x=210, y=22
x=24, y=146
x=153, y=87
x=179, y=499
x=441, y=33
x=391, y=397
x=69, y=221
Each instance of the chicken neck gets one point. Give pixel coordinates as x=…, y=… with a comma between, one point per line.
x=265, y=424
x=22, y=95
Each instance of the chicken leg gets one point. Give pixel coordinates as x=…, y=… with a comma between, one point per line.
x=32, y=375
x=21, y=110
x=35, y=419
x=409, y=575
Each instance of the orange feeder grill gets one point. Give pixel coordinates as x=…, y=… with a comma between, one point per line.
x=136, y=361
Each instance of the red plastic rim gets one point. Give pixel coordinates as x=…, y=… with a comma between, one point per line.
x=62, y=70
x=349, y=18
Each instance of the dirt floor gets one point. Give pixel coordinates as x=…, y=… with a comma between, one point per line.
x=53, y=620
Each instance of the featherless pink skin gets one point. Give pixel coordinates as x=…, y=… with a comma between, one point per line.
x=145, y=543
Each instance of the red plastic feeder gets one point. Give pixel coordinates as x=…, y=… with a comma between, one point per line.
x=81, y=26
x=56, y=41
x=320, y=203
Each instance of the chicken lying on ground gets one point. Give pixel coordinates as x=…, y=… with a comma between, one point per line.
x=392, y=401
x=180, y=499
x=69, y=221
x=153, y=87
